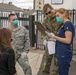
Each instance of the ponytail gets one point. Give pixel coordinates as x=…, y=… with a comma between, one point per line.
x=68, y=14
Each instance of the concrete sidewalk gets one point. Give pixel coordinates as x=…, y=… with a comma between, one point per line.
x=35, y=59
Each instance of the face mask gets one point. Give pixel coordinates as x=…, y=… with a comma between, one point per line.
x=59, y=19
x=15, y=22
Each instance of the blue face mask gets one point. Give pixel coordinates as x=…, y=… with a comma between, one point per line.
x=59, y=19
x=15, y=22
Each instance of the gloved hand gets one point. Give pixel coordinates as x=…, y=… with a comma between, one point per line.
x=45, y=43
x=24, y=55
x=51, y=35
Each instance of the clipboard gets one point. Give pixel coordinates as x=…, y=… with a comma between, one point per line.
x=40, y=27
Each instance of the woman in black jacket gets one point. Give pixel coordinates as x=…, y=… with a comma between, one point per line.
x=7, y=55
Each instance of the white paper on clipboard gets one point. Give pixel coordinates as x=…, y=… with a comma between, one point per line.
x=51, y=47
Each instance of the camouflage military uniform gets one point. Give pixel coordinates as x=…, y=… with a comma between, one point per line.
x=21, y=45
x=53, y=26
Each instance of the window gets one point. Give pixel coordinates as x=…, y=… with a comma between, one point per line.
x=56, y=1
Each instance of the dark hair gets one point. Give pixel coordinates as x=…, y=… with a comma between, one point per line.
x=62, y=11
x=12, y=14
x=45, y=7
x=5, y=36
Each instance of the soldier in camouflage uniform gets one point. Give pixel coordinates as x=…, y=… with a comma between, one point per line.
x=20, y=43
x=51, y=25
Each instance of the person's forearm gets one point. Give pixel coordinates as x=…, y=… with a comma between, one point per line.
x=27, y=46
x=63, y=40
x=27, y=42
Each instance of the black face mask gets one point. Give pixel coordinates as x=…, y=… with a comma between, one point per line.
x=48, y=13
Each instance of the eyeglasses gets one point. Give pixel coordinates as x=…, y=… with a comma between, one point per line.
x=48, y=13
